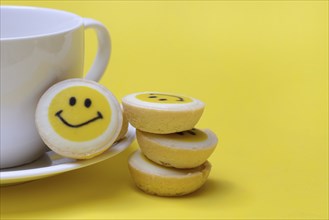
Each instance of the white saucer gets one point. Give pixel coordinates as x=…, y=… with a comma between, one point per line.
x=51, y=163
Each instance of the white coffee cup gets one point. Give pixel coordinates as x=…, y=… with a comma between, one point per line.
x=39, y=47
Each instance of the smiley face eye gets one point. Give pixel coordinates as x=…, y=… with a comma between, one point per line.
x=191, y=132
x=72, y=101
x=87, y=103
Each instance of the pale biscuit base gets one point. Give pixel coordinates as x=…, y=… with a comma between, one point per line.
x=163, y=181
x=124, y=127
x=186, y=149
x=161, y=118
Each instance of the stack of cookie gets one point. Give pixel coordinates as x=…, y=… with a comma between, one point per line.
x=172, y=159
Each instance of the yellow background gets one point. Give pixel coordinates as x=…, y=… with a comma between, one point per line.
x=262, y=69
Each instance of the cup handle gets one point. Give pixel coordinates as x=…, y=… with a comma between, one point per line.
x=104, y=49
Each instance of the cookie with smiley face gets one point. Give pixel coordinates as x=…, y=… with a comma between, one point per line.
x=185, y=149
x=162, y=113
x=78, y=118
x=164, y=181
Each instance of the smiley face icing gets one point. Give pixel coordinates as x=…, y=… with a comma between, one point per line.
x=78, y=118
x=163, y=98
x=81, y=118
x=162, y=113
x=185, y=149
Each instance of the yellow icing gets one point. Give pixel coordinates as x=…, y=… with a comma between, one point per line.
x=79, y=113
x=155, y=97
x=194, y=135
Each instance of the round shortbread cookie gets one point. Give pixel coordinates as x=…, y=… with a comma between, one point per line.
x=185, y=149
x=162, y=113
x=164, y=181
x=78, y=118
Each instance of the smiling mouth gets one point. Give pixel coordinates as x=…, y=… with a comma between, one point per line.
x=58, y=114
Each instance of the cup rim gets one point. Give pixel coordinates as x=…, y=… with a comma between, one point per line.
x=78, y=25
